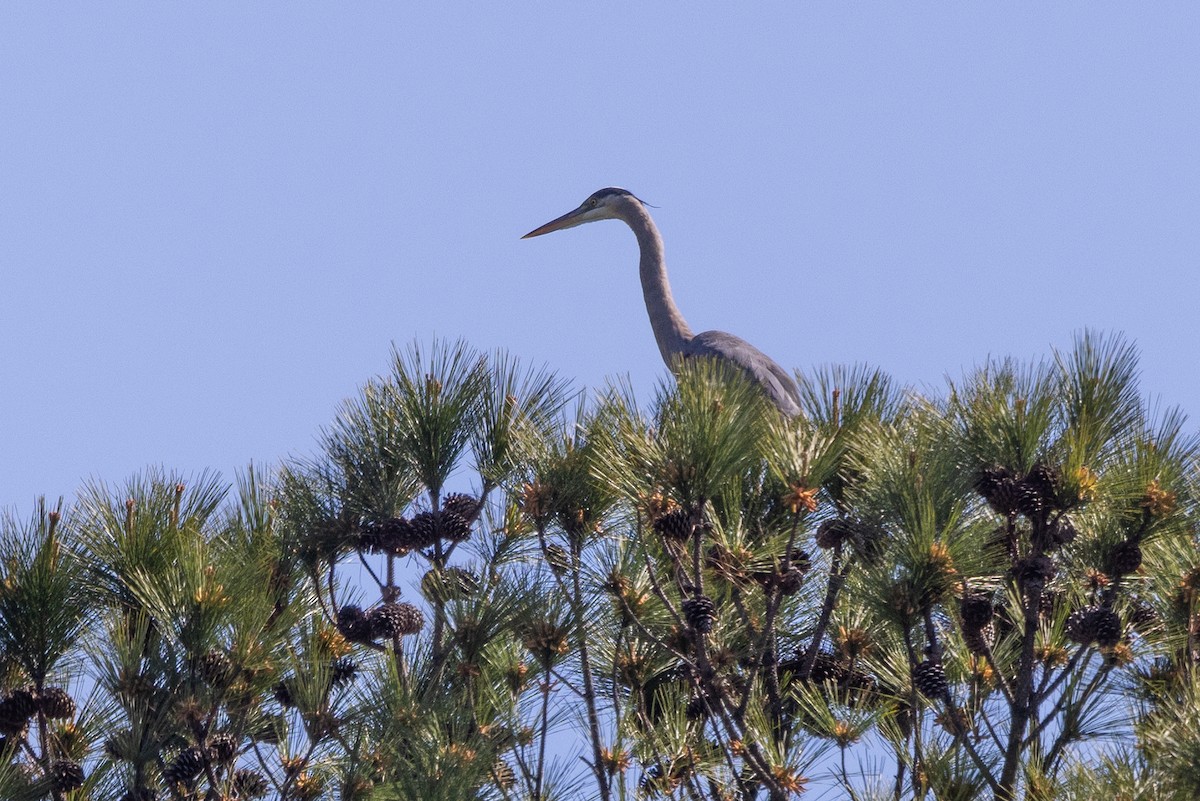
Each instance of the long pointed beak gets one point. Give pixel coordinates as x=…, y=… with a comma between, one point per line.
x=568, y=220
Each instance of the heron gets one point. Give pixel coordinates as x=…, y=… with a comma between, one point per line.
x=675, y=339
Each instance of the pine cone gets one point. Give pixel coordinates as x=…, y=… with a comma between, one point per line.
x=1034, y=568
x=868, y=540
x=1094, y=624
x=54, y=702
x=15, y=711
x=384, y=620
x=283, y=694
x=1143, y=616
x=998, y=486
x=1079, y=627
x=1108, y=629
x=65, y=775
x=342, y=670
x=223, y=747
x=397, y=537
x=249, y=783
x=977, y=610
x=215, y=668
x=353, y=624
x=979, y=640
x=1062, y=533
x=1050, y=602
x=369, y=537
x=791, y=581
x=1030, y=501
x=186, y=766
x=826, y=667
x=929, y=677
x=461, y=504
x=391, y=536
x=1046, y=481
x=1125, y=558
x=546, y=640
x=835, y=532
x=454, y=526
x=424, y=530
x=700, y=613
x=392, y=620
x=674, y=525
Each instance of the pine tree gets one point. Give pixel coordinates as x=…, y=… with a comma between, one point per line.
x=733, y=605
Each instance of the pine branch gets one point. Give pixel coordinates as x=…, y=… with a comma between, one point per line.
x=837, y=579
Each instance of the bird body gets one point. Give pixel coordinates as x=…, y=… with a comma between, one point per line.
x=675, y=339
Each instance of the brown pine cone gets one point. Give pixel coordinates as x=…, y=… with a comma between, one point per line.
x=1094, y=624
x=1046, y=480
x=223, y=746
x=353, y=624
x=395, y=619
x=185, y=767
x=424, y=530
x=396, y=536
x=342, y=670
x=980, y=640
x=835, y=532
x=1062, y=532
x=998, y=486
x=453, y=526
x=16, y=710
x=930, y=678
x=674, y=525
x=1125, y=558
x=215, y=668
x=1034, y=568
x=65, y=775
x=461, y=504
x=977, y=610
x=248, y=783
x=701, y=613
x=791, y=581
x=54, y=702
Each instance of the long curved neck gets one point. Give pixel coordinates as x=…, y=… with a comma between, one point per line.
x=670, y=329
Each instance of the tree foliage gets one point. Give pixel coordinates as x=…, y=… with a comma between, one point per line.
x=484, y=585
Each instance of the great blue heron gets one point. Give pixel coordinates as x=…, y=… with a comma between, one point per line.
x=675, y=339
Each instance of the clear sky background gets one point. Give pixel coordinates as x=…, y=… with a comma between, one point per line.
x=215, y=218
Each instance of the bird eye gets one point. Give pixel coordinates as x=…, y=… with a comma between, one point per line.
x=591, y=202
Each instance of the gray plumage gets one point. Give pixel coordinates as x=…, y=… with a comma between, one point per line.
x=675, y=339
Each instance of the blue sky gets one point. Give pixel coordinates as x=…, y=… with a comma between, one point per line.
x=216, y=218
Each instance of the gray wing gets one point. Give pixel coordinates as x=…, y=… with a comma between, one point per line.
x=774, y=380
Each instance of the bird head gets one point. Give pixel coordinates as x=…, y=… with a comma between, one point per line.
x=605, y=204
